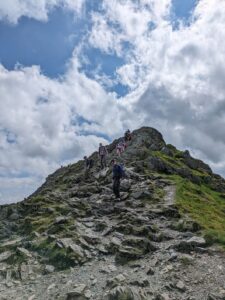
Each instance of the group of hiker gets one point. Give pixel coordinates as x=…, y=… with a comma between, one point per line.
x=117, y=169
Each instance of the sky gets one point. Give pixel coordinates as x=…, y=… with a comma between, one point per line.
x=76, y=73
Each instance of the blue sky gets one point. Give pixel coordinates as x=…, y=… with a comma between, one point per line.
x=76, y=73
x=50, y=44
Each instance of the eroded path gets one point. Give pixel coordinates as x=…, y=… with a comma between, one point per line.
x=138, y=248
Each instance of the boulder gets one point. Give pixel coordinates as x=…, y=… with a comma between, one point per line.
x=115, y=281
x=191, y=244
x=79, y=293
x=120, y=293
x=133, y=248
x=5, y=255
x=23, y=252
x=141, y=194
x=49, y=269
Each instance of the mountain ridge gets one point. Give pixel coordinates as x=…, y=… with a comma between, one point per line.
x=169, y=200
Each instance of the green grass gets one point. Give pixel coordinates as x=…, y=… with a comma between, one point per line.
x=169, y=160
x=203, y=205
x=59, y=258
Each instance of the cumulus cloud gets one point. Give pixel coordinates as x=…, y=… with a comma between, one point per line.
x=175, y=77
x=39, y=122
x=13, y=10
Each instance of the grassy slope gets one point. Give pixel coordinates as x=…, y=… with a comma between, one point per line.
x=200, y=202
x=203, y=205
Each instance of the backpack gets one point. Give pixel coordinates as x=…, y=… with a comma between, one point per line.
x=118, y=171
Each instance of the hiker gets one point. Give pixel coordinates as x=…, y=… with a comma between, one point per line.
x=127, y=135
x=102, y=152
x=88, y=163
x=117, y=175
x=120, y=148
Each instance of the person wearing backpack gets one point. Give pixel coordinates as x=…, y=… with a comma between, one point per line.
x=102, y=152
x=117, y=175
x=88, y=163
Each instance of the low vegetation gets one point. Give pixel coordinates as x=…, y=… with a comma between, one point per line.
x=203, y=205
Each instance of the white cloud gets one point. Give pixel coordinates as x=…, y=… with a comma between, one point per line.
x=39, y=122
x=176, y=81
x=13, y=10
x=177, y=76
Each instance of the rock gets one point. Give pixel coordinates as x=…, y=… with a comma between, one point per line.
x=24, y=252
x=14, y=216
x=167, y=269
x=77, y=250
x=173, y=256
x=125, y=293
x=9, y=284
x=91, y=238
x=114, y=244
x=180, y=286
x=213, y=296
x=197, y=241
x=120, y=293
x=24, y=271
x=127, y=253
x=11, y=242
x=68, y=243
x=94, y=281
x=112, y=268
x=133, y=248
x=143, y=282
x=167, y=151
x=5, y=255
x=150, y=271
x=125, y=185
x=49, y=269
x=61, y=220
x=141, y=194
x=163, y=296
x=79, y=293
x=118, y=280
x=191, y=244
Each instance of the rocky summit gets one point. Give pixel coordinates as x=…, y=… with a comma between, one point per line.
x=164, y=239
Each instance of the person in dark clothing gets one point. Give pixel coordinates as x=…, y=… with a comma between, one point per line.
x=88, y=163
x=127, y=136
x=117, y=175
x=102, y=152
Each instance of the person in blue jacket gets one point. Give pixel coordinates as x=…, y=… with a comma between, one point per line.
x=117, y=175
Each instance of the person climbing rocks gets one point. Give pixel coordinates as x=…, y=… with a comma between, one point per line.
x=117, y=175
x=88, y=163
x=102, y=152
x=127, y=135
x=121, y=146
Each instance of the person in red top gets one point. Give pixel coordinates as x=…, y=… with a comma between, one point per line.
x=102, y=152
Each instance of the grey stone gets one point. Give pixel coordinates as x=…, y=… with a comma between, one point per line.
x=180, y=286
x=120, y=293
x=197, y=241
x=5, y=255
x=24, y=252
x=49, y=269
x=79, y=293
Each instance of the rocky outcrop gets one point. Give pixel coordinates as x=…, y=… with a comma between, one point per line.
x=72, y=240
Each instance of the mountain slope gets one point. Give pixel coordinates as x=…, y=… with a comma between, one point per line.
x=149, y=241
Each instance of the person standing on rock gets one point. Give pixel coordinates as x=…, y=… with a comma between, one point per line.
x=88, y=163
x=127, y=135
x=120, y=148
x=102, y=152
x=117, y=175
